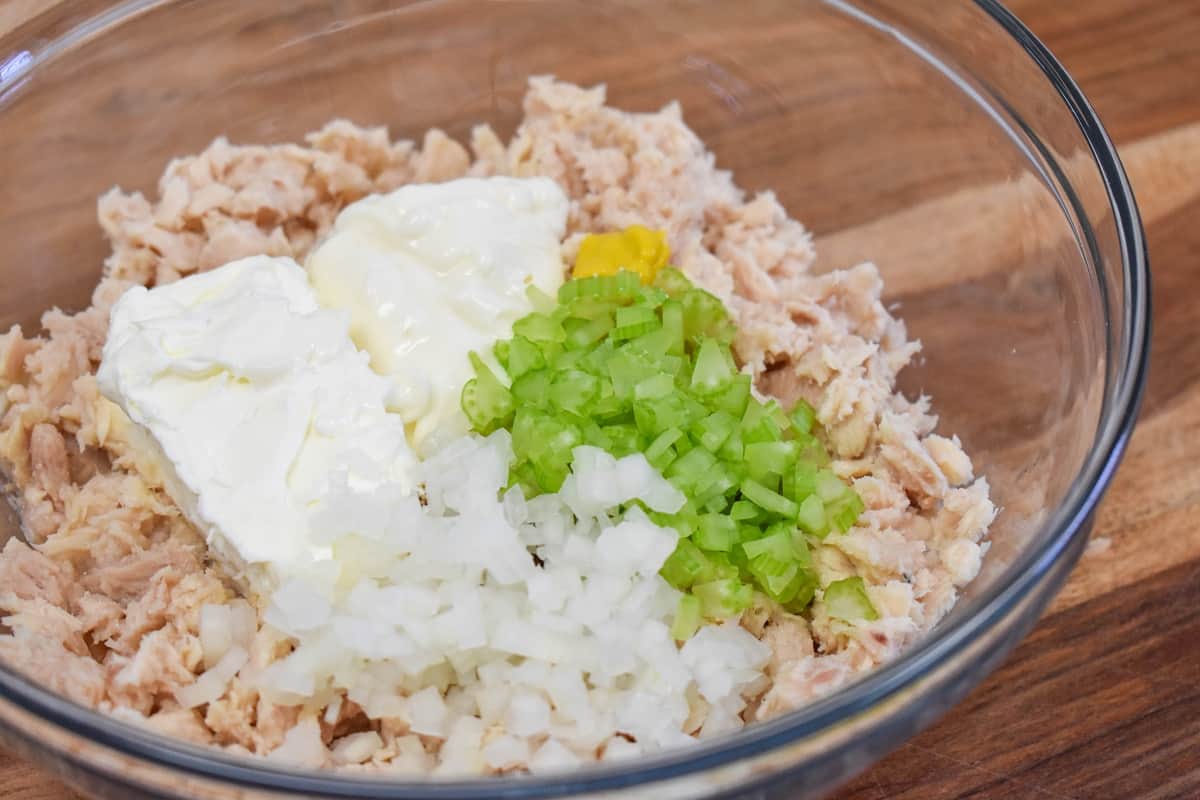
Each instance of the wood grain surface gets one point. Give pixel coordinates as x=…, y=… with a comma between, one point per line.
x=1103, y=699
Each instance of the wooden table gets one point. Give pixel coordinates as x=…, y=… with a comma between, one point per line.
x=1103, y=699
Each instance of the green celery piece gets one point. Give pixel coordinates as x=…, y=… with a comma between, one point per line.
x=848, y=599
x=573, y=391
x=591, y=308
x=650, y=297
x=722, y=566
x=758, y=424
x=546, y=442
x=655, y=345
x=716, y=487
x=844, y=511
x=777, y=543
x=671, y=314
x=660, y=453
x=523, y=356
x=734, y=398
x=811, y=517
x=829, y=486
x=500, y=350
x=732, y=450
x=775, y=458
x=745, y=511
x=724, y=597
x=654, y=387
x=800, y=549
x=783, y=587
x=688, y=617
x=486, y=401
x=690, y=468
x=594, y=435
x=594, y=286
x=806, y=590
x=583, y=332
x=633, y=321
x=488, y=406
x=671, y=281
x=767, y=499
x=804, y=477
x=539, y=328
x=715, y=532
x=624, y=439
x=803, y=415
x=540, y=301
x=627, y=369
x=712, y=431
x=627, y=284
x=686, y=565
x=710, y=373
x=704, y=316
x=655, y=415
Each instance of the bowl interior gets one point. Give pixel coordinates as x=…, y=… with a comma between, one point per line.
x=912, y=138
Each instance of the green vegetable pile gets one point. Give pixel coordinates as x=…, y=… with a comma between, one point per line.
x=632, y=368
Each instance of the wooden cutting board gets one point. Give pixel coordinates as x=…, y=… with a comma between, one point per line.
x=1103, y=699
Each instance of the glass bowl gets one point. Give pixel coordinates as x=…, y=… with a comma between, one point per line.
x=939, y=139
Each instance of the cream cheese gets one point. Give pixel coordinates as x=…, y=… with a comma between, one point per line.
x=272, y=425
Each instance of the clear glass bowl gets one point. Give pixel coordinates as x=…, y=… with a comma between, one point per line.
x=939, y=139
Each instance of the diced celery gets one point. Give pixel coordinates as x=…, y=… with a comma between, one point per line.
x=803, y=415
x=672, y=281
x=634, y=321
x=661, y=447
x=848, y=599
x=540, y=301
x=688, y=617
x=745, y=511
x=539, y=328
x=655, y=386
x=672, y=326
x=758, y=425
x=734, y=397
x=712, y=431
x=583, y=332
x=690, y=468
x=710, y=373
x=767, y=499
x=844, y=511
x=775, y=458
x=716, y=532
x=829, y=486
x=523, y=357
x=685, y=566
x=724, y=597
x=805, y=480
x=572, y=391
x=732, y=449
x=811, y=516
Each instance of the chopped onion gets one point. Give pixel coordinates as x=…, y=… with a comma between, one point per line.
x=213, y=682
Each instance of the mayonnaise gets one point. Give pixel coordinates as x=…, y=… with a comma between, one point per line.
x=431, y=272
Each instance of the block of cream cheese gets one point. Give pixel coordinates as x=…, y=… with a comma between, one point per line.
x=271, y=424
x=431, y=272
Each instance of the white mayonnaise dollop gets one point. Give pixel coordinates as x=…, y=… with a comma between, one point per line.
x=431, y=272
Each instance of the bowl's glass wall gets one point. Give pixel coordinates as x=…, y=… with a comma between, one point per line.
x=918, y=136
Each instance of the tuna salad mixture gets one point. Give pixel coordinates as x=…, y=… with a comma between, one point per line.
x=447, y=459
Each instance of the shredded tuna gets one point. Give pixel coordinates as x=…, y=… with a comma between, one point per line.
x=103, y=604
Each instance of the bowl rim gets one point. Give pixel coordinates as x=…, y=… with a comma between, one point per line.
x=1117, y=419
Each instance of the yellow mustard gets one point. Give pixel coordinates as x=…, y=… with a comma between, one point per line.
x=636, y=249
